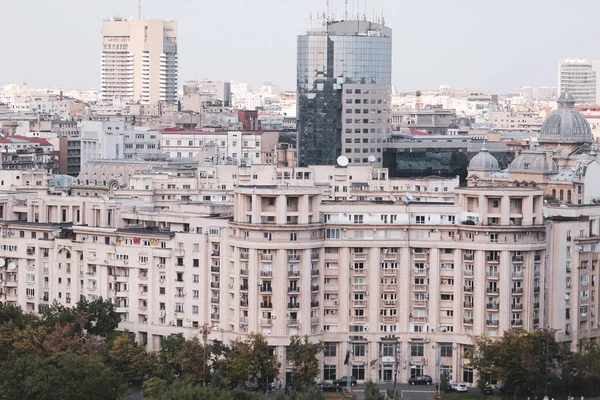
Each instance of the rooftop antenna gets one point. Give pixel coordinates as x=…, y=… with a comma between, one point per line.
x=382, y=17
x=328, y=16
x=139, y=9
x=346, y=10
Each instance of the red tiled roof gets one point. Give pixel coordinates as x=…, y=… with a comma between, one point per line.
x=415, y=132
x=40, y=141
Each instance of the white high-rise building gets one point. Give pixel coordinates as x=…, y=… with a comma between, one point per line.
x=578, y=77
x=139, y=60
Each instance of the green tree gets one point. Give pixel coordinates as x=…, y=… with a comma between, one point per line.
x=193, y=361
x=63, y=376
x=128, y=358
x=372, y=391
x=311, y=393
x=16, y=316
x=99, y=316
x=250, y=362
x=445, y=381
x=154, y=387
x=304, y=356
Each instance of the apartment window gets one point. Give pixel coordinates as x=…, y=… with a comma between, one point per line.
x=445, y=349
x=417, y=349
x=333, y=233
x=329, y=372
x=358, y=349
x=195, y=309
x=330, y=349
x=358, y=372
x=293, y=236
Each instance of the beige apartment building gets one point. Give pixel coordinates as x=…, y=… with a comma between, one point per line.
x=340, y=254
x=139, y=60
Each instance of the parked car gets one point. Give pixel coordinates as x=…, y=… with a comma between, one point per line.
x=488, y=390
x=460, y=387
x=329, y=387
x=343, y=381
x=421, y=380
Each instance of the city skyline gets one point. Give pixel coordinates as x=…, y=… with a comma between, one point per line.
x=473, y=56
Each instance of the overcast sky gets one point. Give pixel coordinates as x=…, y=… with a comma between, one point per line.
x=498, y=45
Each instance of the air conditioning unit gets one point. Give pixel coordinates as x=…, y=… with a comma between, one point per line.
x=336, y=302
x=125, y=262
x=273, y=316
x=366, y=328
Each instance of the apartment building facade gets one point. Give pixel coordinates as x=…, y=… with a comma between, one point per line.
x=139, y=60
x=290, y=251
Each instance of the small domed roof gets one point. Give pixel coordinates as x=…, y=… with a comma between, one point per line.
x=463, y=122
x=453, y=126
x=566, y=124
x=533, y=162
x=484, y=161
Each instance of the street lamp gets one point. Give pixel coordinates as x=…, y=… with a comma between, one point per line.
x=204, y=331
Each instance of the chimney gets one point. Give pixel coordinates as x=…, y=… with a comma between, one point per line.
x=61, y=95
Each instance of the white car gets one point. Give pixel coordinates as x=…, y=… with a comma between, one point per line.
x=460, y=387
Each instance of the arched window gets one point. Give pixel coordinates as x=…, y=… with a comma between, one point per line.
x=568, y=196
x=554, y=194
x=562, y=195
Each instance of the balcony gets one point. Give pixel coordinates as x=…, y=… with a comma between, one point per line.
x=492, y=291
x=537, y=257
x=469, y=257
x=215, y=269
x=314, y=288
x=359, y=272
x=359, y=318
x=266, y=321
x=419, y=319
x=419, y=288
x=266, y=289
x=314, y=321
x=389, y=271
x=536, y=289
x=243, y=320
x=516, y=290
x=314, y=272
x=493, y=260
x=215, y=300
x=420, y=272
x=293, y=306
x=292, y=321
x=516, y=306
x=389, y=319
x=468, y=321
x=294, y=257
x=536, y=321
x=388, y=303
x=390, y=288
x=359, y=256
x=536, y=305
x=360, y=303
x=215, y=316
x=266, y=304
x=389, y=256
x=292, y=274
x=266, y=273
x=292, y=290
x=468, y=272
x=468, y=289
x=244, y=256
x=492, y=322
x=492, y=306
x=419, y=303
x=517, y=258
x=516, y=322
x=314, y=256
x=314, y=304
x=215, y=285
x=359, y=288
x=493, y=275
x=244, y=288
x=517, y=275
x=215, y=253
x=243, y=272
x=243, y=303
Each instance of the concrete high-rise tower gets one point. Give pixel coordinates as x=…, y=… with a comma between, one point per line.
x=344, y=81
x=139, y=60
x=580, y=78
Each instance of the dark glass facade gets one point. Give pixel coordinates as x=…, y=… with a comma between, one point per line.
x=357, y=52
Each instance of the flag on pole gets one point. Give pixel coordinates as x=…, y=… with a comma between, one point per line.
x=373, y=362
x=347, y=360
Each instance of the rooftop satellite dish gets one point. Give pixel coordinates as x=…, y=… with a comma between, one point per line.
x=416, y=270
x=372, y=159
x=409, y=196
x=56, y=233
x=342, y=161
x=2, y=262
x=566, y=297
x=394, y=199
x=12, y=266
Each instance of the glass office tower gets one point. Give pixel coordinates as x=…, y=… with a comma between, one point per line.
x=340, y=53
